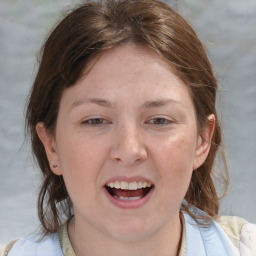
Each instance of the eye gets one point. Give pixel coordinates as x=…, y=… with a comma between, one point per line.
x=159, y=121
x=95, y=122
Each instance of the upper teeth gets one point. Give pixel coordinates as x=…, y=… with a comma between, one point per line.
x=129, y=185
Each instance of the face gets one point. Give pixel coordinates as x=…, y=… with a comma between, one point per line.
x=126, y=144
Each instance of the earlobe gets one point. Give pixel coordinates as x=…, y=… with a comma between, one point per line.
x=204, y=143
x=48, y=141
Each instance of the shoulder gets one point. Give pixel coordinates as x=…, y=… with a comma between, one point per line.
x=32, y=245
x=241, y=233
x=8, y=247
x=232, y=226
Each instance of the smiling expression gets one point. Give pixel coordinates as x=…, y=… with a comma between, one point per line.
x=126, y=143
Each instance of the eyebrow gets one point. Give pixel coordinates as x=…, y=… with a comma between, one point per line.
x=106, y=103
x=97, y=101
x=161, y=103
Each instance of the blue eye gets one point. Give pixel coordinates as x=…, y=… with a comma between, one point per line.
x=95, y=122
x=160, y=121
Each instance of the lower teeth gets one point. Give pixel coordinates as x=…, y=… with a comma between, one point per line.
x=127, y=198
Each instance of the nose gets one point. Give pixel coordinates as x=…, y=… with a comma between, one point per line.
x=128, y=147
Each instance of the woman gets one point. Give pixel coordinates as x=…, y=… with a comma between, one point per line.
x=124, y=128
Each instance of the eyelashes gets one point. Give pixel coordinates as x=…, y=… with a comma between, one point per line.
x=99, y=122
x=160, y=121
x=94, y=122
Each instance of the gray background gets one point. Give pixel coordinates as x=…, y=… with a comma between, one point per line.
x=227, y=28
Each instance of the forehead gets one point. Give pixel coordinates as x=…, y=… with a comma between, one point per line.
x=128, y=71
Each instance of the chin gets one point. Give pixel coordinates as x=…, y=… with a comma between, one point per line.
x=131, y=231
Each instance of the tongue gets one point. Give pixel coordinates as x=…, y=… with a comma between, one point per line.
x=128, y=193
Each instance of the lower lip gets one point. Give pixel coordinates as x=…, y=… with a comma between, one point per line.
x=129, y=204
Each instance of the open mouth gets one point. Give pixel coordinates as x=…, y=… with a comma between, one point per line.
x=128, y=191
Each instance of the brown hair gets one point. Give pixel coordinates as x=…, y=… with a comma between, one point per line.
x=91, y=29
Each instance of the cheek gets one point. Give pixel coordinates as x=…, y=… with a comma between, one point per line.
x=80, y=162
x=78, y=151
x=80, y=170
x=175, y=159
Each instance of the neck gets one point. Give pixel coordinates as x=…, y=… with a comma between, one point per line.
x=164, y=242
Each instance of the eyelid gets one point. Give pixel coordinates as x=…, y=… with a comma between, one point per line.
x=86, y=121
x=165, y=118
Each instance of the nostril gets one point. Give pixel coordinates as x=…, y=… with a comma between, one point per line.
x=128, y=149
x=138, y=160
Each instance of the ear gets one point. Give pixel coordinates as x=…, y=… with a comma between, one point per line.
x=204, y=142
x=49, y=143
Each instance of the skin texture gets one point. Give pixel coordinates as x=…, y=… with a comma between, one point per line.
x=145, y=126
